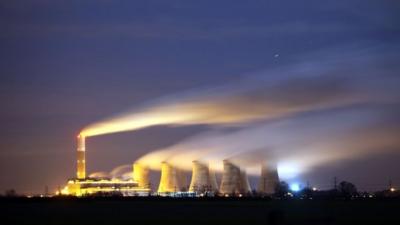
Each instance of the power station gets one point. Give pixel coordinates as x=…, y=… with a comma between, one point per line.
x=82, y=185
x=234, y=181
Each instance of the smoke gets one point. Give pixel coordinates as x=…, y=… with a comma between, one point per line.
x=99, y=174
x=122, y=172
x=304, y=86
x=324, y=107
x=297, y=144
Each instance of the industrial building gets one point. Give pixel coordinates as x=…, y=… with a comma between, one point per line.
x=82, y=185
x=234, y=181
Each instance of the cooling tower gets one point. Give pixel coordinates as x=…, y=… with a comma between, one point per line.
x=244, y=183
x=170, y=181
x=141, y=175
x=81, y=167
x=268, y=180
x=203, y=179
x=231, y=179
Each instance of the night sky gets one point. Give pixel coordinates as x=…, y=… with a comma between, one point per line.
x=67, y=64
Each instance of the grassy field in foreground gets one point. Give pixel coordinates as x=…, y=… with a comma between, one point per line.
x=197, y=211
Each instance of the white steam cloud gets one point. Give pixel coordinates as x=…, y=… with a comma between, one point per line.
x=312, y=112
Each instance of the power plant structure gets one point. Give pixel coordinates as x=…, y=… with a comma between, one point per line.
x=203, y=179
x=268, y=181
x=82, y=185
x=173, y=181
x=81, y=163
x=141, y=175
x=234, y=180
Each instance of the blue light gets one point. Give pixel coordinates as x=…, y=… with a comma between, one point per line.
x=295, y=187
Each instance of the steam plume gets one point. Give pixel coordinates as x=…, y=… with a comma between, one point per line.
x=303, y=115
x=281, y=92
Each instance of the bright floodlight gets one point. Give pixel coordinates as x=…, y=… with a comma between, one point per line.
x=295, y=187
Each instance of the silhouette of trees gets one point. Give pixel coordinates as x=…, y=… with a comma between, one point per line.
x=347, y=189
x=10, y=193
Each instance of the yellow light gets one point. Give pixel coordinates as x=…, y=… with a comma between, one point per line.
x=392, y=189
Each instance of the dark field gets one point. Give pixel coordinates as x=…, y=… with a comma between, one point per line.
x=197, y=211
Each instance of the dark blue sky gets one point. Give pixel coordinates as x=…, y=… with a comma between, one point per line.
x=66, y=64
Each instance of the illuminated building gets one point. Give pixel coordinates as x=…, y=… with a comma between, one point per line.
x=81, y=164
x=171, y=179
x=81, y=185
x=90, y=186
x=141, y=175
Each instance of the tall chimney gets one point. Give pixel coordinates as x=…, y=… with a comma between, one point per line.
x=141, y=175
x=81, y=164
x=268, y=180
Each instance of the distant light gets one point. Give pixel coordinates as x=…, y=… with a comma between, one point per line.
x=314, y=189
x=288, y=170
x=295, y=187
x=392, y=189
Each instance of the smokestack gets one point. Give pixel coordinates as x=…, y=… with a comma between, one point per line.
x=169, y=181
x=141, y=175
x=268, y=180
x=81, y=165
x=202, y=179
x=230, y=183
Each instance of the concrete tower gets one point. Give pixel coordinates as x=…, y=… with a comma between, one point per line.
x=169, y=181
x=202, y=179
x=268, y=180
x=141, y=175
x=81, y=164
x=231, y=179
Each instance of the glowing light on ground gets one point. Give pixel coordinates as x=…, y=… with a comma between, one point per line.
x=295, y=187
